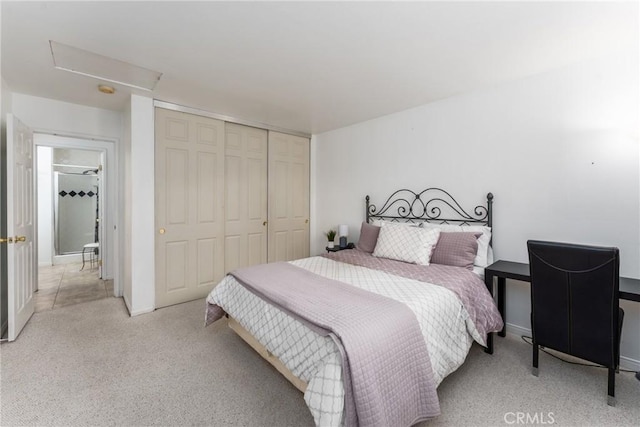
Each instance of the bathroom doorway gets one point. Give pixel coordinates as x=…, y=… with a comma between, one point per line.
x=72, y=212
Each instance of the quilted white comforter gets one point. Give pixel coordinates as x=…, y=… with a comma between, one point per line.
x=315, y=359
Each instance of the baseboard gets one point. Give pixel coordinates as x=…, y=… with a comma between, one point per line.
x=136, y=312
x=127, y=304
x=629, y=363
x=67, y=259
x=141, y=311
x=516, y=332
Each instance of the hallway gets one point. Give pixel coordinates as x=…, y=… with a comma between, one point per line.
x=63, y=285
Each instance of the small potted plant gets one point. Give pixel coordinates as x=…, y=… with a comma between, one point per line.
x=331, y=235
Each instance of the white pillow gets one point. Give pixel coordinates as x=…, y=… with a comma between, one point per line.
x=408, y=244
x=482, y=256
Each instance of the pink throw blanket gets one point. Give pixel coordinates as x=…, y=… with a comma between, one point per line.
x=387, y=372
x=469, y=288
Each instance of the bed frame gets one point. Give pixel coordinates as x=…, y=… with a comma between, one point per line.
x=266, y=354
x=433, y=205
x=402, y=206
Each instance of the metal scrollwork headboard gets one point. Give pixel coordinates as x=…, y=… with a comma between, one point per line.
x=433, y=205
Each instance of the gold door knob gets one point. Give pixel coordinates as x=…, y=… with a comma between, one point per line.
x=162, y=231
x=7, y=240
x=20, y=239
x=264, y=223
x=306, y=221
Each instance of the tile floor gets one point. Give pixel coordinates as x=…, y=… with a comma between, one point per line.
x=63, y=285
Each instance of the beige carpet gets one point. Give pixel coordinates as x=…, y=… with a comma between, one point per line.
x=92, y=364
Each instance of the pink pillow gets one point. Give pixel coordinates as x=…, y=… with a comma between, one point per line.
x=458, y=249
x=368, y=237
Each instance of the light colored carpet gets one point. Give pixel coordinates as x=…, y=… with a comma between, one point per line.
x=92, y=364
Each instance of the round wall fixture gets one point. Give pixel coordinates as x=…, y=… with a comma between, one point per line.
x=106, y=89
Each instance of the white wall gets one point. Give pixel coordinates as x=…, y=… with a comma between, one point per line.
x=559, y=151
x=124, y=201
x=139, y=251
x=51, y=116
x=45, y=203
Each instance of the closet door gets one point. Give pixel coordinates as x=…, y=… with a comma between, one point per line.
x=288, y=197
x=245, y=239
x=189, y=174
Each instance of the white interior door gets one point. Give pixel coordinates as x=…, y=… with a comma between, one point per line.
x=245, y=240
x=288, y=197
x=189, y=175
x=20, y=226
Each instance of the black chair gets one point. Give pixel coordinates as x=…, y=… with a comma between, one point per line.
x=575, y=304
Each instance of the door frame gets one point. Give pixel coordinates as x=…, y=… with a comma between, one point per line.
x=108, y=198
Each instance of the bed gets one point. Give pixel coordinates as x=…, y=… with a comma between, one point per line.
x=368, y=334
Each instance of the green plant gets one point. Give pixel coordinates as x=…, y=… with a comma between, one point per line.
x=331, y=235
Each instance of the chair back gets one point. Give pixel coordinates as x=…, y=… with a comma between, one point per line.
x=574, y=299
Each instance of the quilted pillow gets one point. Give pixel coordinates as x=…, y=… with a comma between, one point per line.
x=484, y=257
x=457, y=249
x=368, y=237
x=408, y=244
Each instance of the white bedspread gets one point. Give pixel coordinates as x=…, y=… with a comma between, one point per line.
x=443, y=321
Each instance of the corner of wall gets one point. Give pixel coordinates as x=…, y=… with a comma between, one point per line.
x=124, y=202
x=141, y=205
x=127, y=303
x=313, y=222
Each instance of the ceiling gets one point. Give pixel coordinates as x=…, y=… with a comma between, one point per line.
x=307, y=66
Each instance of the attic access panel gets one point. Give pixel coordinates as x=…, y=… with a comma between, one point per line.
x=83, y=62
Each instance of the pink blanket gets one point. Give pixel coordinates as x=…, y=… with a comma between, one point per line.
x=387, y=372
x=469, y=288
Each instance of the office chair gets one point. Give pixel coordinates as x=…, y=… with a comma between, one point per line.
x=575, y=304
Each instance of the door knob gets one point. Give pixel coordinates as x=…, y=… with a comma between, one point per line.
x=306, y=221
x=7, y=240
x=264, y=223
x=20, y=239
x=162, y=231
